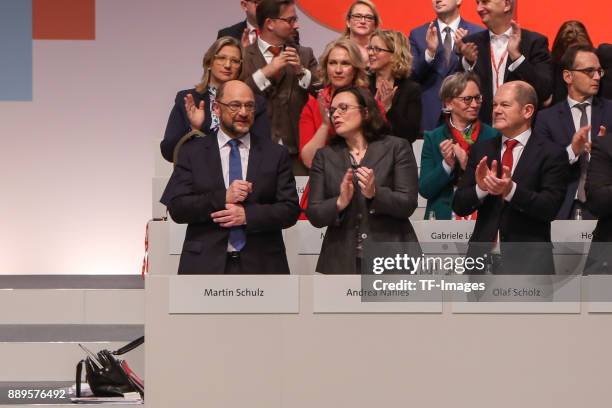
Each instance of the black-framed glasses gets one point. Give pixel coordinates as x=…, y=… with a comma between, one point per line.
x=235, y=106
x=289, y=20
x=591, y=71
x=342, y=108
x=363, y=17
x=375, y=50
x=468, y=99
x=223, y=59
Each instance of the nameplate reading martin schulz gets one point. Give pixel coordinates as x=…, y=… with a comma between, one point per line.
x=250, y=294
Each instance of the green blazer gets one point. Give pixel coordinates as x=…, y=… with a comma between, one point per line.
x=434, y=183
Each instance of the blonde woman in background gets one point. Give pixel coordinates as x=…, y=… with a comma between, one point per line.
x=391, y=66
x=362, y=19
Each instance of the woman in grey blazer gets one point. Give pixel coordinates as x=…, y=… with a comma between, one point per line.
x=364, y=184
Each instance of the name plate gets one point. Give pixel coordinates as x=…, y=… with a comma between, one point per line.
x=344, y=294
x=451, y=231
x=249, y=294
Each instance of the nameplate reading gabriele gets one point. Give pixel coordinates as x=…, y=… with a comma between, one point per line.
x=250, y=294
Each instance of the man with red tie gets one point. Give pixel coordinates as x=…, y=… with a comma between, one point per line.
x=516, y=184
x=281, y=71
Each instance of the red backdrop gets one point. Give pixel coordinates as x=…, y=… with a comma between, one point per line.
x=544, y=16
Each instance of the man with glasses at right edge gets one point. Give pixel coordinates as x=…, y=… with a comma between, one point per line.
x=282, y=72
x=574, y=123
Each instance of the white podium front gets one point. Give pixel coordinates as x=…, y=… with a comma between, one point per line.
x=309, y=359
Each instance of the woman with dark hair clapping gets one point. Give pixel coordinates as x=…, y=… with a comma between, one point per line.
x=363, y=185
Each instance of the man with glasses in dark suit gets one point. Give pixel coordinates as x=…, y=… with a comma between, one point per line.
x=236, y=191
x=576, y=122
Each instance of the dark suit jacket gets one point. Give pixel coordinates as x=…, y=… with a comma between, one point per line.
x=557, y=125
x=235, y=31
x=536, y=68
x=604, y=52
x=285, y=96
x=540, y=176
x=599, y=202
x=178, y=124
x=599, y=187
x=382, y=219
x=405, y=113
x=430, y=76
x=196, y=189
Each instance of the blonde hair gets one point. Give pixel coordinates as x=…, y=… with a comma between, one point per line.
x=209, y=57
x=368, y=3
x=360, y=77
x=401, y=60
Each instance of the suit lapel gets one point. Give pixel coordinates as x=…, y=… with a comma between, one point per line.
x=484, y=58
x=566, y=118
x=255, y=156
x=596, y=117
x=376, y=151
x=212, y=157
x=256, y=55
x=529, y=156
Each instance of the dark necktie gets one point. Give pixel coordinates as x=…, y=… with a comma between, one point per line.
x=448, y=45
x=584, y=157
x=507, y=158
x=237, y=235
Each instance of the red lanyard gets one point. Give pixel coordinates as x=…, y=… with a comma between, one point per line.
x=496, y=67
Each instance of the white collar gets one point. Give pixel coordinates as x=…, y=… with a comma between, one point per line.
x=250, y=27
x=223, y=139
x=573, y=103
x=505, y=34
x=454, y=25
x=522, y=138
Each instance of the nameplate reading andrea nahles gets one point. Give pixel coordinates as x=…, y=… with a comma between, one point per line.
x=245, y=292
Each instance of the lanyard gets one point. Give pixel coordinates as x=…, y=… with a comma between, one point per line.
x=496, y=67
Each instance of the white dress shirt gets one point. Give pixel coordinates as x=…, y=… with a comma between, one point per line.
x=252, y=32
x=576, y=114
x=454, y=25
x=522, y=140
x=499, y=45
x=260, y=79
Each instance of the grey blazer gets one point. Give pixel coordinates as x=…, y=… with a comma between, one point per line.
x=381, y=219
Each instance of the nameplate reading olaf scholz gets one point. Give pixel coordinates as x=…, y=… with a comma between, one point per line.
x=202, y=294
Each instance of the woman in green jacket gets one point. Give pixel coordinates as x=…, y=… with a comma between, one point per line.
x=446, y=148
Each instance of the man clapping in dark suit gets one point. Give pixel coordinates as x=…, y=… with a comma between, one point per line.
x=517, y=184
x=246, y=30
x=504, y=53
x=432, y=48
x=575, y=122
x=281, y=71
x=236, y=191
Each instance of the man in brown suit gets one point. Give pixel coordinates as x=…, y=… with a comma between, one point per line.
x=283, y=72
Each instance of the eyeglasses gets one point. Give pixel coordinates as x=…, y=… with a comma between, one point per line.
x=342, y=109
x=289, y=20
x=591, y=71
x=375, y=50
x=363, y=17
x=234, y=106
x=468, y=99
x=222, y=59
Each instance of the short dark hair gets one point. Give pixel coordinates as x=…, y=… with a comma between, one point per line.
x=569, y=57
x=270, y=9
x=374, y=125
